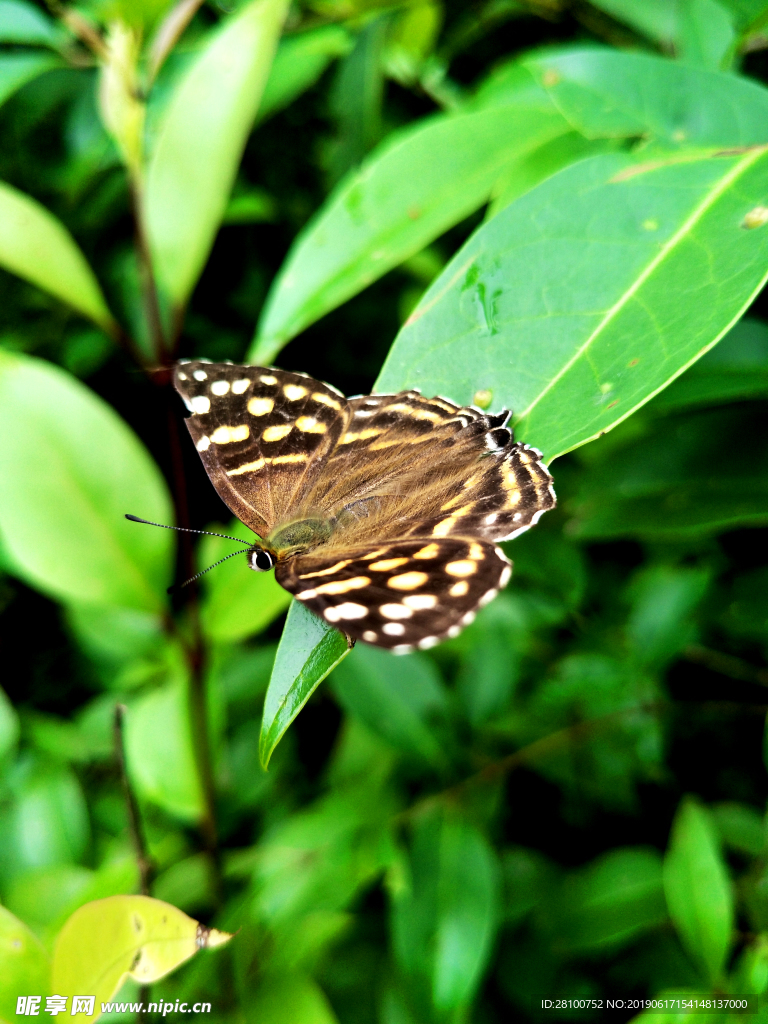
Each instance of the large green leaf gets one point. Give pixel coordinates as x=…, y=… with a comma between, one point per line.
x=586, y=296
x=36, y=246
x=308, y=651
x=69, y=470
x=657, y=481
x=408, y=192
x=605, y=92
x=698, y=889
x=201, y=140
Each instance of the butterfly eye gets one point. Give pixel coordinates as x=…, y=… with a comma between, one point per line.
x=260, y=560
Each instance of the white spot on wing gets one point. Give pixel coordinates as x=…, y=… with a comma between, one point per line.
x=395, y=611
x=348, y=610
x=505, y=575
x=220, y=387
x=427, y=642
x=239, y=387
x=260, y=406
x=226, y=435
x=420, y=602
x=200, y=375
x=203, y=444
x=200, y=404
x=370, y=637
x=393, y=628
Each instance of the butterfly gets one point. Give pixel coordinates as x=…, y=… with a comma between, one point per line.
x=380, y=513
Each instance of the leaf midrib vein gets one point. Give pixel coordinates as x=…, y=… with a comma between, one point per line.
x=685, y=228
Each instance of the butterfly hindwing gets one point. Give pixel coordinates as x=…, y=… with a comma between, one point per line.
x=402, y=595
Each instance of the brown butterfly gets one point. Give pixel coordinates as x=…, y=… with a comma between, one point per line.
x=380, y=513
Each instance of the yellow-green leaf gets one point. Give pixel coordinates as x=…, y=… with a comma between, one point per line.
x=201, y=140
x=109, y=940
x=37, y=246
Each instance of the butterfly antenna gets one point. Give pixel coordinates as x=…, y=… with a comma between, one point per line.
x=180, y=586
x=184, y=529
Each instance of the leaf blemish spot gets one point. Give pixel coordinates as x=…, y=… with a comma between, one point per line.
x=551, y=78
x=633, y=362
x=605, y=388
x=755, y=218
x=650, y=224
x=614, y=402
x=137, y=923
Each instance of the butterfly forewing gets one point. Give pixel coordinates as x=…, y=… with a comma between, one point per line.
x=458, y=470
x=263, y=434
x=410, y=493
x=403, y=594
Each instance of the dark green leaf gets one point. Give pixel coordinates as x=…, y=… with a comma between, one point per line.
x=660, y=482
x=419, y=183
x=604, y=92
x=663, y=599
x=444, y=921
x=16, y=69
x=737, y=367
x=740, y=827
x=70, y=469
x=395, y=698
x=608, y=903
x=575, y=345
x=298, y=63
x=308, y=651
x=527, y=877
x=698, y=889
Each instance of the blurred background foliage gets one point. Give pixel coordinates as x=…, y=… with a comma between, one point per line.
x=569, y=798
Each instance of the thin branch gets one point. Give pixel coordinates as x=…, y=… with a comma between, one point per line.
x=168, y=34
x=143, y=859
x=726, y=664
x=148, y=283
x=496, y=770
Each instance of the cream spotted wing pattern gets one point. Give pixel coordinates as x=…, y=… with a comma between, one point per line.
x=381, y=511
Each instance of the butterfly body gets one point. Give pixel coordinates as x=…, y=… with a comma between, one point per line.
x=381, y=513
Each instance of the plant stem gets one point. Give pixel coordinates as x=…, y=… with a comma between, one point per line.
x=152, y=310
x=143, y=859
